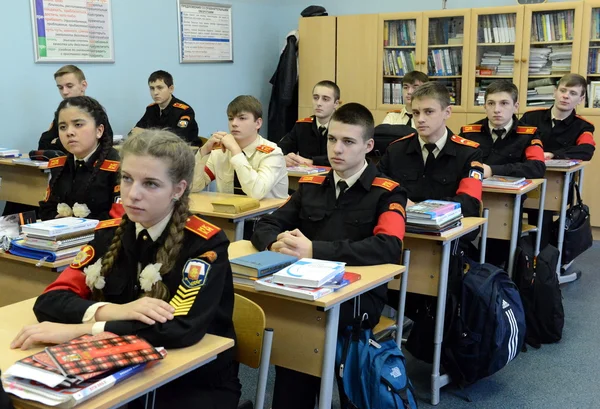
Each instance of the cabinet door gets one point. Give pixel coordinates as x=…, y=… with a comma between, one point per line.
x=316, y=55
x=445, y=52
x=357, y=58
x=398, y=53
x=589, y=57
x=551, y=46
x=495, y=43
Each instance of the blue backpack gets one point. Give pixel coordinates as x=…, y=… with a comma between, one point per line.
x=373, y=373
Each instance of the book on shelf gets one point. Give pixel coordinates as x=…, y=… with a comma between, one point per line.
x=504, y=181
x=234, y=205
x=53, y=245
x=308, y=272
x=430, y=209
x=562, y=163
x=18, y=248
x=266, y=284
x=57, y=227
x=307, y=170
x=261, y=263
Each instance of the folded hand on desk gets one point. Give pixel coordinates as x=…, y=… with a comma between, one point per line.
x=293, y=243
x=49, y=333
x=146, y=309
x=292, y=159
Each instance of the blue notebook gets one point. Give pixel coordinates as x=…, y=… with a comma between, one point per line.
x=18, y=248
x=261, y=264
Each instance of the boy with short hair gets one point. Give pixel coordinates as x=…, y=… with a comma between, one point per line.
x=306, y=143
x=565, y=134
x=509, y=146
x=315, y=223
x=410, y=82
x=167, y=111
x=242, y=161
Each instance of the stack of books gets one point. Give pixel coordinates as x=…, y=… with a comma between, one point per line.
x=248, y=269
x=65, y=375
x=506, y=182
x=562, y=163
x=307, y=279
x=9, y=153
x=54, y=240
x=434, y=217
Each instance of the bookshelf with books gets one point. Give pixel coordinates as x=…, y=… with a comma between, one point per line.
x=589, y=58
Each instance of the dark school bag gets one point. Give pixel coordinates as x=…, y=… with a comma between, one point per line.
x=489, y=328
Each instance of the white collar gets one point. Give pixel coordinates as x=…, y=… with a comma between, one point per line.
x=319, y=124
x=507, y=127
x=440, y=143
x=250, y=149
x=156, y=230
x=352, y=179
x=88, y=156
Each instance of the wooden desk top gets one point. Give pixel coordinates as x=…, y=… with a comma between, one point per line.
x=370, y=277
x=201, y=203
x=9, y=162
x=469, y=224
x=568, y=170
x=525, y=189
x=56, y=264
x=177, y=361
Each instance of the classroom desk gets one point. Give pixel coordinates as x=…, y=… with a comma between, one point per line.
x=305, y=332
x=557, y=196
x=505, y=215
x=21, y=279
x=22, y=183
x=178, y=362
x=430, y=257
x=294, y=177
x=201, y=203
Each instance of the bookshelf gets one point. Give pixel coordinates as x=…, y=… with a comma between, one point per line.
x=589, y=57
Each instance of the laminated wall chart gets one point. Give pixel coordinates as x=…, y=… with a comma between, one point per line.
x=72, y=30
x=205, y=33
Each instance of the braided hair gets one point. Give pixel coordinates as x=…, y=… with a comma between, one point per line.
x=97, y=112
x=167, y=146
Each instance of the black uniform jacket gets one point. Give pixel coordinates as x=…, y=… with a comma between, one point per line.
x=102, y=197
x=50, y=140
x=306, y=140
x=455, y=176
x=519, y=153
x=177, y=116
x=200, y=285
x=572, y=138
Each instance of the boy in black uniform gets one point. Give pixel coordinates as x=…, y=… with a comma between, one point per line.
x=306, y=143
x=353, y=214
x=168, y=111
x=509, y=146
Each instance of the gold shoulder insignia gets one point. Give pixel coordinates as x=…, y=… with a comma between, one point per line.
x=403, y=138
x=583, y=119
x=265, y=148
x=471, y=128
x=462, y=141
x=181, y=106
x=201, y=227
x=108, y=223
x=85, y=255
x=387, y=184
x=57, y=162
x=317, y=180
x=110, y=165
x=526, y=130
x=309, y=119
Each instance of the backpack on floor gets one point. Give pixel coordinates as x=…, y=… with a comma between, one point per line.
x=373, y=373
x=489, y=328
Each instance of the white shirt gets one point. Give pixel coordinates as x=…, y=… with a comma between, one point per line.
x=399, y=118
x=506, y=128
x=439, y=146
x=75, y=159
x=350, y=181
x=261, y=174
x=319, y=124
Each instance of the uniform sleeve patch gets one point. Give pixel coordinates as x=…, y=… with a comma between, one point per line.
x=476, y=164
x=110, y=165
x=476, y=174
x=471, y=128
x=209, y=256
x=182, y=123
x=265, y=148
x=464, y=141
x=398, y=207
x=537, y=142
x=317, y=180
x=309, y=119
x=195, y=272
x=57, y=162
x=108, y=223
x=185, y=118
x=181, y=106
x=526, y=130
x=85, y=255
x=201, y=227
x=387, y=184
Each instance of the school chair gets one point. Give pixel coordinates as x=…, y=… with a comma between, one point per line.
x=254, y=343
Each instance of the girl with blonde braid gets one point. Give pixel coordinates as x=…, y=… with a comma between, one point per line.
x=159, y=273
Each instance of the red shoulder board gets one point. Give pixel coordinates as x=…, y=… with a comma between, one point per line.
x=180, y=105
x=309, y=119
x=317, y=180
x=387, y=184
x=201, y=227
x=526, y=130
x=110, y=165
x=471, y=128
x=85, y=255
x=265, y=148
x=395, y=111
x=154, y=103
x=463, y=141
x=108, y=223
x=583, y=119
x=403, y=138
x=57, y=162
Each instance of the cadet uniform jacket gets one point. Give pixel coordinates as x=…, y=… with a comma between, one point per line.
x=101, y=196
x=364, y=226
x=519, y=153
x=456, y=174
x=177, y=116
x=572, y=138
x=260, y=169
x=200, y=286
x=306, y=140
x=50, y=140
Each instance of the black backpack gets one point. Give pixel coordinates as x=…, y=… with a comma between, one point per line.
x=489, y=328
x=386, y=134
x=540, y=291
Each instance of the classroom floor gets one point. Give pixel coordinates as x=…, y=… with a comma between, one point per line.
x=562, y=375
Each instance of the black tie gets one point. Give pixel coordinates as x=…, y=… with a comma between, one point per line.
x=323, y=130
x=342, y=185
x=237, y=187
x=557, y=122
x=431, y=157
x=143, y=246
x=79, y=163
x=409, y=118
x=499, y=133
